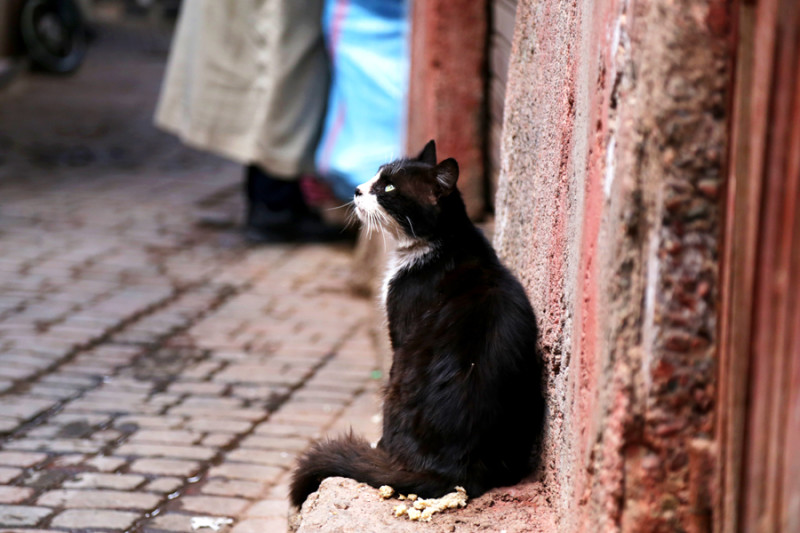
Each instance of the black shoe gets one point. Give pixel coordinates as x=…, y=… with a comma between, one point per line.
x=278, y=213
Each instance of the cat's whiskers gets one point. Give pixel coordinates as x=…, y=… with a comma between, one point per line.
x=412, y=227
x=380, y=219
x=352, y=217
x=348, y=204
x=371, y=221
x=376, y=219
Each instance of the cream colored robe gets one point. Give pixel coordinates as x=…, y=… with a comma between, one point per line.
x=248, y=80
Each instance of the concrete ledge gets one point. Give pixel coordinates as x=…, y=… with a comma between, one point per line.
x=346, y=506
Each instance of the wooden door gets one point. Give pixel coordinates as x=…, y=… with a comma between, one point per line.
x=759, y=396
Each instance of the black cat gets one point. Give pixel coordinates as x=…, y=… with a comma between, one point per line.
x=464, y=404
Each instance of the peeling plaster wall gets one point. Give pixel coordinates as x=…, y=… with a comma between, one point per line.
x=608, y=209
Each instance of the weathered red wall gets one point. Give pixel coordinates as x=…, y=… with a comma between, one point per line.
x=609, y=209
x=447, y=88
x=759, y=417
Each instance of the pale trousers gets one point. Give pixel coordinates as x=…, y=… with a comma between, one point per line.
x=248, y=80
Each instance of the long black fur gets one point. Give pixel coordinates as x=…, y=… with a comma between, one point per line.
x=463, y=404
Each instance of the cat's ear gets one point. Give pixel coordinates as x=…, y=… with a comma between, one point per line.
x=428, y=154
x=447, y=175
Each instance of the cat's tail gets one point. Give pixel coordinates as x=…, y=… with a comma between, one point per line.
x=353, y=457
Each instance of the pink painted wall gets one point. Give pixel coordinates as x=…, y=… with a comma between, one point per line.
x=608, y=209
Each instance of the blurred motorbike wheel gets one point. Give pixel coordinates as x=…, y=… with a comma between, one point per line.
x=54, y=34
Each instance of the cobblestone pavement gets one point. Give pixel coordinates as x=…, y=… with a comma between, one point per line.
x=153, y=372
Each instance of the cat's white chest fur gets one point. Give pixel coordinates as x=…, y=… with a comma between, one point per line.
x=404, y=256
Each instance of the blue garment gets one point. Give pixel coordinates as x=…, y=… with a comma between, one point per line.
x=365, y=120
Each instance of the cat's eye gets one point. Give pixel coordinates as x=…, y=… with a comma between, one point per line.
x=389, y=188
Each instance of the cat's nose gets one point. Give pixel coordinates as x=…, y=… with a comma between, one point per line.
x=358, y=192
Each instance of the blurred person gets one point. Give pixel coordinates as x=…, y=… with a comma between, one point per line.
x=248, y=80
x=367, y=44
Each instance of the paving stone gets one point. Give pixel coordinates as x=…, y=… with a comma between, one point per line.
x=164, y=399
x=108, y=435
x=154, y=422
x=105, y=406
x=322, y=395
x=213, y=505
x=273, y=508
x=259, y=392
x=164, y=485
x=166, y=437
x=248, y=373
x=245, y=471
x=195, y=387
x=166, y=450
x=218, y=426
x=99, y=499
x=362, y=416
x=93, y=480
x=105, y=463
x=233, y=488
x=8, y=425
x=179, y=522
x=45, y=431
x=175, y=467
x=320, y=419
x=23, y=459
x=272, y=429
x=65, y=417
x=219, y=413
x=114, y=398
x=120, y=382
x=22, y=515
x=324, y=410
x=80, y=519
x=275, y=443
x=262, y=457
x=14, y=494
x=17, y=372
x=61, y=378
x=56, y=391
x=324, y=382
x=9, y=473
x=280, y=490
x=55, y=445
x=67, y=460
x=201, y=371
x=260, y=525
x=218, y=440
x=213, y=402
x=29, y=530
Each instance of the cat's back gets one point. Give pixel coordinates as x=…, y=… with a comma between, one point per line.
x=475, y=268
x=476, y=298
